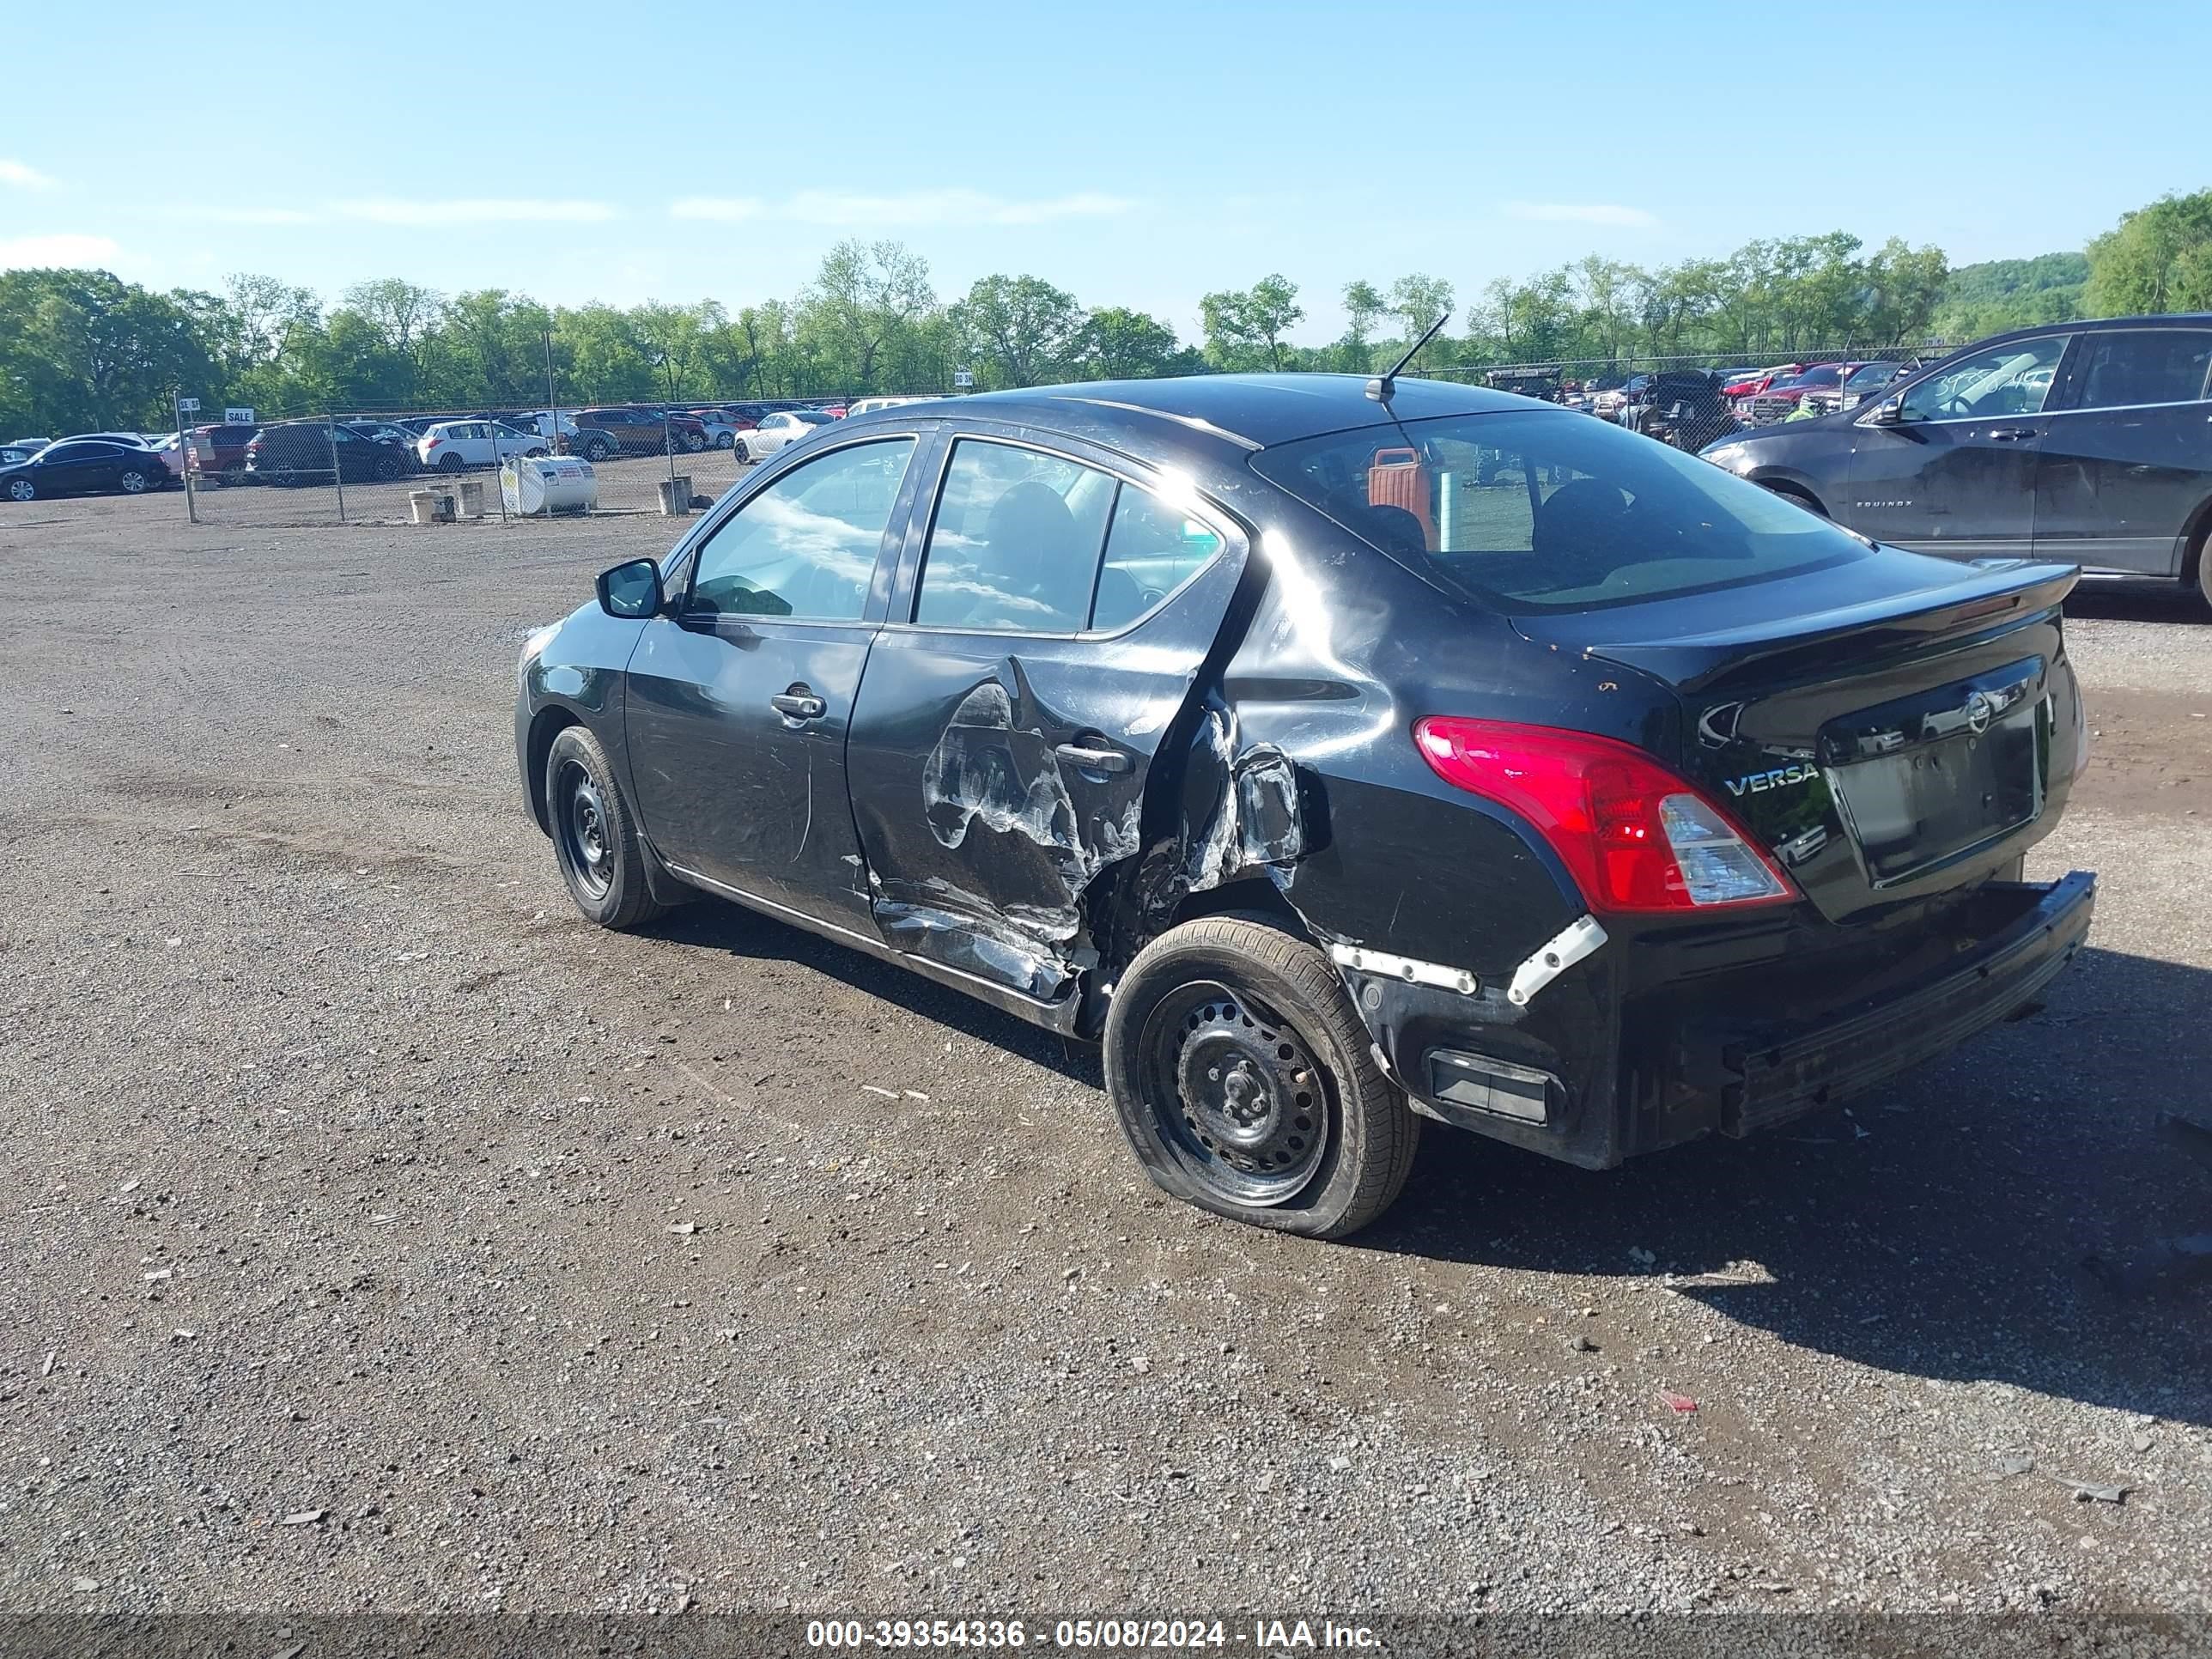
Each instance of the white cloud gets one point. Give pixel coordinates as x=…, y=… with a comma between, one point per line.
x=476, y=211
x=1571, y=213
x=944, y=207
x=243, y=216
x=22, y=175
x=728, y=210
x=66, y=248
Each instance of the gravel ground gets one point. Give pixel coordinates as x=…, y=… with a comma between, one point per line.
x=384, y=1236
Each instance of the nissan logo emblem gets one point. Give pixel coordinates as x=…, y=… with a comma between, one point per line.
x=1978, y=711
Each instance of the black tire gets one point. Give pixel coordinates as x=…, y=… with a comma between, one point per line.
x=23, y=489
x=133, y=481
x=1315, y=1140
x=597, y=450
x=743, y=456
x=450, y=462
x=694, y=442
x=727, y=440
x=595, y=837
x=388, y=467
x=1790, y=492
x=2204, y=564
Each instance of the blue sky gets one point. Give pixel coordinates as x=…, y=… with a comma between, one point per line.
x=1132, y=153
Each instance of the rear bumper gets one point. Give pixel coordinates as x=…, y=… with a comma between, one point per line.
x=1801, y=1071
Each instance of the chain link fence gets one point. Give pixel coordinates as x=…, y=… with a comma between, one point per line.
x=337, y=466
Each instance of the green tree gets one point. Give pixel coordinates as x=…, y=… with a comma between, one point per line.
x=2158, y=259
x=1418, y=300
x=1244, y=328
x=1020, y=330
x=864, y=295
x=1117, y=343
x=81, y=350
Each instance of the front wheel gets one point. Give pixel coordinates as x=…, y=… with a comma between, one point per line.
x=597, y=450
x=594, y=835
x=743, y=456
x=727, y=440
x=388, y=468
x=1246, y=1085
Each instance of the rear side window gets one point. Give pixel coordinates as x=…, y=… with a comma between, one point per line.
x=1539, y=512
x=1152, y=548
x=806, y=545
x=1015, y=542
x=2146, y=366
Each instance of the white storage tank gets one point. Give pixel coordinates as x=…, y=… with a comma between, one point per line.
x=534, y=486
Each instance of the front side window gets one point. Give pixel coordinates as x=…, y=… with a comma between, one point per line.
x=806, y=545
x=1539, y=512
x=2142, y=366
x=1015, y=542
x=2007, y=380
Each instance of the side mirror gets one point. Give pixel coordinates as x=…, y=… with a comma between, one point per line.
x=631, y=591
x=1888, y=412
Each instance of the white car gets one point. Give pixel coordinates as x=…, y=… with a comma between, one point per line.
x=869, y=405
x=785, y=426
x=451, y=445
x=721, y=433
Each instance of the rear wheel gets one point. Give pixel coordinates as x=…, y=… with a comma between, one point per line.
x=450, y=462
x=23, y=489
x=597, y=450
x=2204, y=556
x=594, y=835
x=695, y=441
x=727, y=440
x=1245, y=1082
x=133, y=482
x=388, y=467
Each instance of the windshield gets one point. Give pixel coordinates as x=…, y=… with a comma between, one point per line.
x=1540, y=511
x=1869, y=374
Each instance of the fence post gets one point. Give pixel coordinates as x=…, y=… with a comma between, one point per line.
x=668, y=442
x=184, y=446
x=337, y=472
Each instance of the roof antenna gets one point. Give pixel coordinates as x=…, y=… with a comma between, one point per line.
x=1381, y=387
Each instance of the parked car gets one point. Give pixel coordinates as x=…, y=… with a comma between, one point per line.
x=12, y=453
x=34, y=445
x=220, y=450
x=299, y=452
x=1780, y=399
x=1750, y=383
x=386, y=431
x=1578, y=810
x=455, y=446
x=870, y=405
x=642, y=431
x=721, y=433
x=166, y=448
x=785, y=426
x=2088, y=442
x=83, y=466
x=1683, y=407
x=1864, y=381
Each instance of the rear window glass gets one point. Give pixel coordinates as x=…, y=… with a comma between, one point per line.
x=1551, y=511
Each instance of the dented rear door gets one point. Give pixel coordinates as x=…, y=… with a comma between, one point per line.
x=1009, y=715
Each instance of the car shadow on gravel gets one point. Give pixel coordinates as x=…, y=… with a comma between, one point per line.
x=1938, y=1229
x=2143, y=601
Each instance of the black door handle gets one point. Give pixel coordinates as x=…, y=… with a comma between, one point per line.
x=2006, y=434
x=1086, y=758
x=798, y=705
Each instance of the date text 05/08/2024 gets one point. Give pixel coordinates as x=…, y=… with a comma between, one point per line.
x=1257, y=1636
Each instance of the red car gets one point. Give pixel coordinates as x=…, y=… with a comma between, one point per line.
x=1780, y=399
x=1750, y=386
x=219, y=450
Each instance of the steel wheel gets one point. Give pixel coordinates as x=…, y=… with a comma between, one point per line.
x=1236, y=1093
x=582, y=829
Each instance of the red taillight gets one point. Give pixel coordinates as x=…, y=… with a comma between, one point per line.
x=435, y=442
x=1634, y=837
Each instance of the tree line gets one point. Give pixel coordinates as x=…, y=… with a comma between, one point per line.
x=81, y=350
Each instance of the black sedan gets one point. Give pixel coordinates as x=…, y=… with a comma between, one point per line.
x=1340, y=755
x=84, y=467
x=2089, y=442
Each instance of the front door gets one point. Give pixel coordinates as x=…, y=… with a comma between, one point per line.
x=1954, y=473
x=1046, y=642
x=2128, y=458
x=737, y=706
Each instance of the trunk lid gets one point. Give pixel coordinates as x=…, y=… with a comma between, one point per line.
x=1891, y=728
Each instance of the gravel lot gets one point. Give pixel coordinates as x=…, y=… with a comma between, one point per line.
x=382, y=1236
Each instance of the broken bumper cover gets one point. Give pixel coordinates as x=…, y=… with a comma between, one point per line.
x=1774, y=1080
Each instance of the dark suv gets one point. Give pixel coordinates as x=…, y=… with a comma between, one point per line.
x=640, y=431
x=2086, y=442
x=1337, y=759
